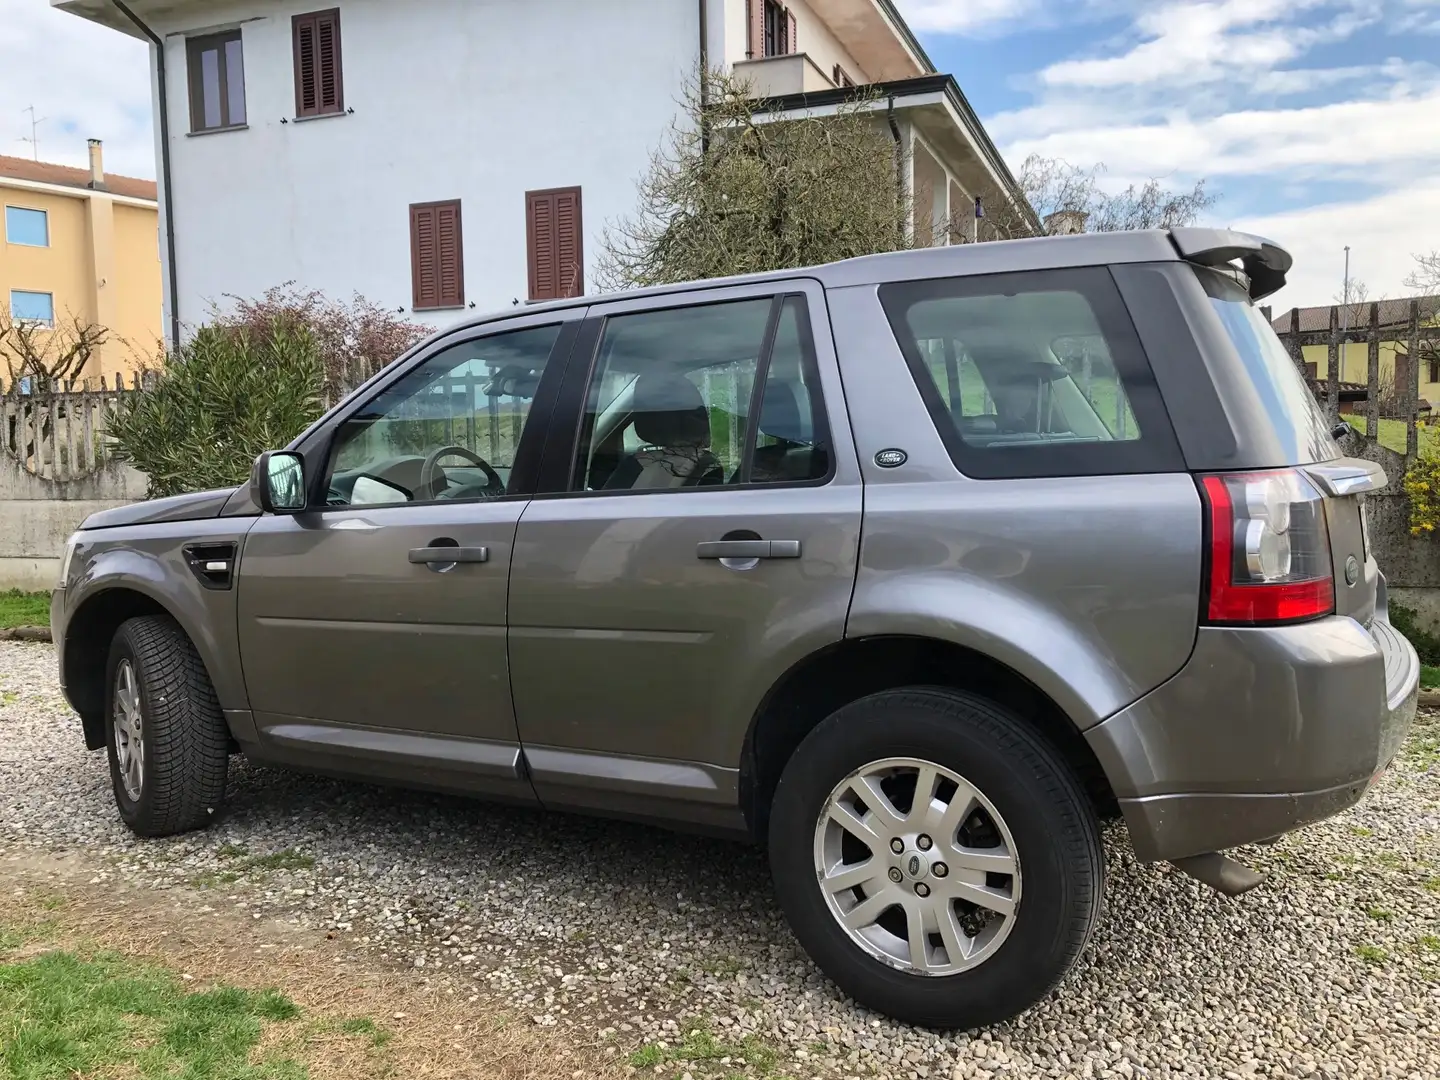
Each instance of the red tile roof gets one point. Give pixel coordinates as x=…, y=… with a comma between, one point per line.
x=1392, y=313
x=45, y=173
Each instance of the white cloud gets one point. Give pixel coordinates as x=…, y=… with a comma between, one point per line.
x=86, y=81
x=1382, y=233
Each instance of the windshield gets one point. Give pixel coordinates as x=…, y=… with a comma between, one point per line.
x=1279, y=387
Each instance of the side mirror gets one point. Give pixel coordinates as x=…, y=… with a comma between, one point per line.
x=278, y=482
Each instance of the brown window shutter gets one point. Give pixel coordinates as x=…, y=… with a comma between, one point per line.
x=755, y=20
x=319, y=86
x=555, y=245
x=450, y=261
x=791, y=46
x=437, y=265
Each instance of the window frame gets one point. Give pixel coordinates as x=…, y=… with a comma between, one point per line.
x=195, y=47
x=778, y=33
x=1156, y=450
x=315, y=18
x=532, y=260
x=319, y=444
x=562, y=452
x=44, y=213
x=49, y=323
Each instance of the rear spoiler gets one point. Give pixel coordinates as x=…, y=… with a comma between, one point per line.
x=1265, y=262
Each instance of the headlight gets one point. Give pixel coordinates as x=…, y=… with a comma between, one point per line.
x=65, y=561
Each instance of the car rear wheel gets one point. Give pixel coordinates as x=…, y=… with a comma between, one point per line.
x=168, y=744
x=936, y=857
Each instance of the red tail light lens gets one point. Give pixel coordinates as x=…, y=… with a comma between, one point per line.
x=1269, y=549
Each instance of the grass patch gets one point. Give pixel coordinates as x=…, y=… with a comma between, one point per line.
x=1379, y=914
x=1371, y=954
x=722, y=966
x=1391, y=433
x=66, y=1014
x=238, y=862
x=23, y=609
x=1429, y=676
x=700, y=1044
x=1360, y=830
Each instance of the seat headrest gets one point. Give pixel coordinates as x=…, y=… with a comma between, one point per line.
x=780, y=413
x=670, y=411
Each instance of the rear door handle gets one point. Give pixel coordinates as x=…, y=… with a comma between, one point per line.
x=449, y=554
x=748, y=549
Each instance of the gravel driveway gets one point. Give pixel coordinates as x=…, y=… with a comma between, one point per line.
x=632, y=934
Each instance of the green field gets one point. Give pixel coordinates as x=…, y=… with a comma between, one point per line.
x=24, y=609
x=1392, y=433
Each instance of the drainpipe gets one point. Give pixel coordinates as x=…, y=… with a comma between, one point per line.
x=164, y=166
x=704, y=77
x=899, y=156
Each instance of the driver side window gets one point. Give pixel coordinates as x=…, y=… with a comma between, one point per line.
x=448, y=430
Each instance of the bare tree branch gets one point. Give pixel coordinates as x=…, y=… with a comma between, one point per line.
x=47, y=355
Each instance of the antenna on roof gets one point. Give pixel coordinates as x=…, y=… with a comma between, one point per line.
x=34, y=139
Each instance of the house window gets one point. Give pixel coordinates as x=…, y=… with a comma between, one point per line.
x=217, y=81
x=842, y=77
x=1433, y=371
x=554, y=243
x=778, y=29
x=437, y=262
x=26, y=226
x=32, y=307
x=319, y=89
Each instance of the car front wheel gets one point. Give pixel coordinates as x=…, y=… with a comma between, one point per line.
x=167, y=740
x=936, y=857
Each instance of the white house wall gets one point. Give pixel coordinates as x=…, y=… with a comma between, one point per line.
x=479, y=100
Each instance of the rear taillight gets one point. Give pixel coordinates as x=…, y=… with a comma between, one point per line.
x=1269, y=549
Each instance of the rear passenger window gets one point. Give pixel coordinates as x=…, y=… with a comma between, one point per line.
x=1035, y=374
x=704, y=396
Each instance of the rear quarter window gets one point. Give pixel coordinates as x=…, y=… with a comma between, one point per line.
x=1033, y=374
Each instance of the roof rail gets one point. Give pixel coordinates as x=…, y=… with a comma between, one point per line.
x=1265, y=262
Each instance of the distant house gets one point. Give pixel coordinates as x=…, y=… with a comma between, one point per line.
x=82, y=244
x=1394, y=321
x=453, y=153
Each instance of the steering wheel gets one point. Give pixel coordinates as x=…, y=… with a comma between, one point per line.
x=432, y=476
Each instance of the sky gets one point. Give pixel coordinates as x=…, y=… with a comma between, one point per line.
x=1316, y=122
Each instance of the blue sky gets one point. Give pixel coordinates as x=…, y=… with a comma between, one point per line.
x=1316, y=121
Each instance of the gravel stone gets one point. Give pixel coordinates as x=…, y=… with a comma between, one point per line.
x=623, y=936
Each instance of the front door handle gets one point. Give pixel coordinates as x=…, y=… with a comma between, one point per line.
x=748, y=549
x=443, y=555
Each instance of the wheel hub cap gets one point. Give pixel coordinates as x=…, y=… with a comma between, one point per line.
x=128, y=722
x=917, y=866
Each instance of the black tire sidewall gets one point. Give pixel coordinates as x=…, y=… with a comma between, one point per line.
x=1033, y=791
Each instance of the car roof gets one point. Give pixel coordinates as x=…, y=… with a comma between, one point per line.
x=1205, y=246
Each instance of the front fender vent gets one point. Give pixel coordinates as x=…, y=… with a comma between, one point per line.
x=212, y=564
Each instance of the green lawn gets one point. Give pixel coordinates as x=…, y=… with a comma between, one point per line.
x=65, y=1015
x=1392, y=433
x=1429, y=676
x=23, y=609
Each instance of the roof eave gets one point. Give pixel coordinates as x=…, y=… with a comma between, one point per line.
x=897, y=89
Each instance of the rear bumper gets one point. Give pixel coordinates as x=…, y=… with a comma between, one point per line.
x=1263, y=731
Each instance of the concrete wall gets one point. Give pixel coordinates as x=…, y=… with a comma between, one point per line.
x=37, y=515
x=476, y=100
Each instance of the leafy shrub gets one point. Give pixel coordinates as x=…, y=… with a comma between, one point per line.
x=353, y=340
x=1427, y=643
x=1422, y=484
x=230, y=393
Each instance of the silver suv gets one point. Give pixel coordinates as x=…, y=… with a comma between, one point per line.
x=913, y=567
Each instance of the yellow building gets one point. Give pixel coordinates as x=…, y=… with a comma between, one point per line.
x=1394, y=321
x=79, y=245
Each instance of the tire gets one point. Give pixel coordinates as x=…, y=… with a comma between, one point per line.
x=1046, y=829
x=183, y=741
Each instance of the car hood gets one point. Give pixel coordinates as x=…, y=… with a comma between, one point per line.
x=199, y=504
